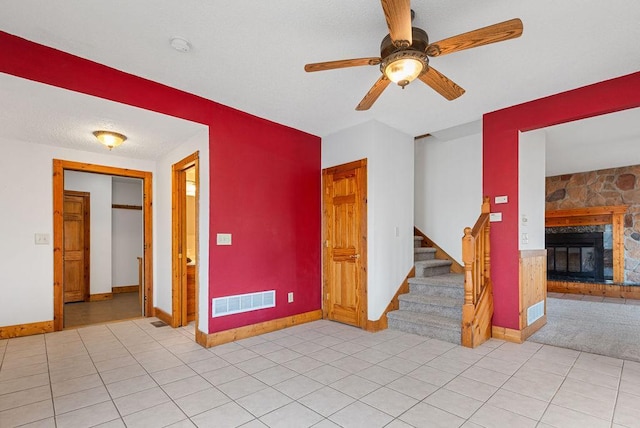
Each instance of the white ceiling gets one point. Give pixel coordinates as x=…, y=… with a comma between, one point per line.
x=250, y=55
x=43, y=114
x=607, y=141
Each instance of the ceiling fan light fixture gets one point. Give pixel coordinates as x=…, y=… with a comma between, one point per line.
x=109, y=138
x=404, y=67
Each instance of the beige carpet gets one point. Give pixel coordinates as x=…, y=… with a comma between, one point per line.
x=609, y=329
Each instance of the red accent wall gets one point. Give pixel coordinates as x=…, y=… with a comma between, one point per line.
x=265, y=180
x=500, y=169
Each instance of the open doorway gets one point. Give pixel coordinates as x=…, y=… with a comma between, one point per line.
x=185, y=191
x=587, y=183
x=103, y=248
x=139, y=273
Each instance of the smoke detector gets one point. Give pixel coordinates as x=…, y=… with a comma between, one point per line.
x=180, y=44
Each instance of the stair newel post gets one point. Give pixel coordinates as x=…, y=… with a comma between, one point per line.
x=468, y=309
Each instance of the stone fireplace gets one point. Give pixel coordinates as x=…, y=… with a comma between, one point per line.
x=607, y=187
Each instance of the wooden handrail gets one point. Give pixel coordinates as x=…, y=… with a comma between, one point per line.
x=477, y=309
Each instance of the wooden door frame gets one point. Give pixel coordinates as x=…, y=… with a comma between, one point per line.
x=59, y=166
x=86, y=220
x=362, y=294
x=179, y=239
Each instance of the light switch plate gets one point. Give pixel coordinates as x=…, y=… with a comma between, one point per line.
x=501, y=199
x=223, y=239
x=290, y=297
x=495, y=217
x=42, y=238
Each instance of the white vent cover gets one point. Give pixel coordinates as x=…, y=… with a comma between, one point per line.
x=535, y=312
x=228, y=305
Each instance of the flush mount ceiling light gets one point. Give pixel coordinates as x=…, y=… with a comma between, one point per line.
x=180, y=44
x=109, y=138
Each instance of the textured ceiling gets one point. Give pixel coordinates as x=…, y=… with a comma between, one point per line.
x=607, y=141
x=43, y=114
x=250, y=54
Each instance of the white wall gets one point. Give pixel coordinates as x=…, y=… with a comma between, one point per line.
x=127, y=232
x=389, y=155
x=531, y=189
x=162, y=229
x=99, y=187
x=26, y=269
x=448, y=188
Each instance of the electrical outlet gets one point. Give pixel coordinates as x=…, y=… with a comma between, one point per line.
x=501, y=199
x=290, y=297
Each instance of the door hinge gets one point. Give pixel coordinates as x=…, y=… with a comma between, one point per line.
x=326, y=243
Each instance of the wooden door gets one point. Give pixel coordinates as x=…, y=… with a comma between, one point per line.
x=185, y=277
x=344, y=232
x=76, y=246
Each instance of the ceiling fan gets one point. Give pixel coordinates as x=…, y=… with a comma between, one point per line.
x=405, y=52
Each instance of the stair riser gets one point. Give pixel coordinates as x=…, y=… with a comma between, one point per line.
x=432, y=271
x=417, y=242
x=418, y=257
x=432, y=290
x=443, y=311
x=437, y=332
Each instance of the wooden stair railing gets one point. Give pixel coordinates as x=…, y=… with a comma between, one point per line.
x=478, y=296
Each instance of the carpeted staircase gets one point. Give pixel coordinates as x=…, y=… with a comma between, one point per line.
x=433, y=306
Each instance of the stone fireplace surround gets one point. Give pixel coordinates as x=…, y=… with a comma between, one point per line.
x=607, y=187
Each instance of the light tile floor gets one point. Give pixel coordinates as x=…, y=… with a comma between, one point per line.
x=320, y=374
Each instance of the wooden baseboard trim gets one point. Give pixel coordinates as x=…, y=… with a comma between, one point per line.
x=529, y=330
x=99, y=297
x=125, y=289
x=593, y=289
x=213, y=339
x=163, y=316
x=394, y=304
x=30, y=329
x=508, y=334
x=517, y=336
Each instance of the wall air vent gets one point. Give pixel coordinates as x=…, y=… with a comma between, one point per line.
x=535, y=312
x=229, y=305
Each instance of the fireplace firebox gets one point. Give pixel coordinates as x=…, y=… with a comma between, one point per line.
x=575, y=256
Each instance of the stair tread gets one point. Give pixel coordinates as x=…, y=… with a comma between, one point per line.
x=431, y=300
x=426, y=319
x=446, y=280
x=433, y=263
x=424, y=250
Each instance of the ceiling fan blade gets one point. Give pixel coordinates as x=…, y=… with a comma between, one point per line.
x=441, y=84
x=373, y=93
x=483, y=36
x=398, y=16
x=343, y=63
